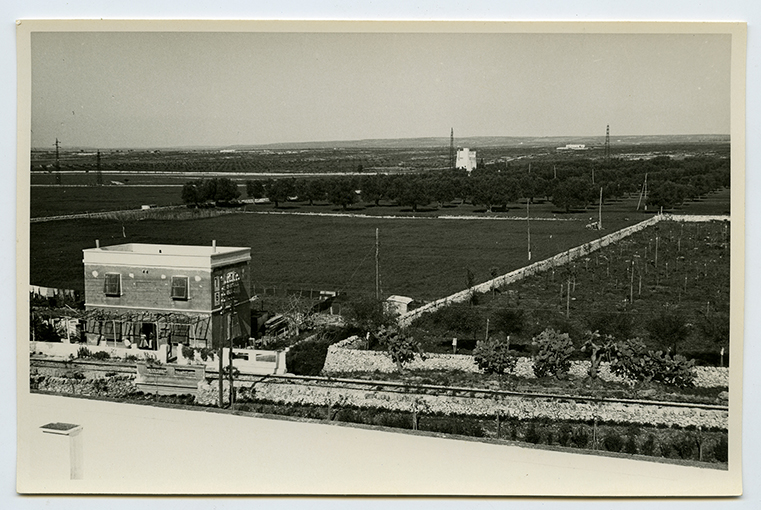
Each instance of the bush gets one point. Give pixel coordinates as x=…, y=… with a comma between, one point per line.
x=84, y=353
x=399, y=345
x=564, y=434
x=532, y=435
x=613, y=442
x=632, y=360
x=631, y=440
x=101, y=355
x=452, y=425
x=721, y=450
x=494, y=357
x=685, y=446
x=554, y=353
x=308, y=357
x=580, y=438
x=188, y=352
x=648, y=446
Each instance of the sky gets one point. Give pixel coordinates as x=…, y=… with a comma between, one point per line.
x=170, y=89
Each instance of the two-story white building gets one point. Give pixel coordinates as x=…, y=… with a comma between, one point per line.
x=159, y=294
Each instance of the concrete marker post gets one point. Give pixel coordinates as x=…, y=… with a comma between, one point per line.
x=74, y=434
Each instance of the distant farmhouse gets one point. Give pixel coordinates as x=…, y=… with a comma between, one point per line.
x=157, y=296
x=466, y=160
x=573, y=147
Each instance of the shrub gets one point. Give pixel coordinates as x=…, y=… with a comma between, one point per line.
x=399, y=345
x=207, y=353
x=532, y=435
x=613, y=442
x=564, y=434
x=494, y=357
x=630, y=446
x=188, y=352
x=453, y=425
x=308, y=357
x=721, y=450
x=554, y=353
x=84, y=353
x=101, y=355
x=580, y=438
x=648, y=446
x=632, y=360
x=685, y=446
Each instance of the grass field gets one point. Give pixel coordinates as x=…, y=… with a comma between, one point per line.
x=422, y=258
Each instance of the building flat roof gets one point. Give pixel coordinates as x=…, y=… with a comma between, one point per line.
x=176, y=255
x=170, y=249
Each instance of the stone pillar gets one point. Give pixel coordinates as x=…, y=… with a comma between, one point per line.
x=61, y=442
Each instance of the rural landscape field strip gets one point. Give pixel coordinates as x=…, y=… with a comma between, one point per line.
x=422, y=259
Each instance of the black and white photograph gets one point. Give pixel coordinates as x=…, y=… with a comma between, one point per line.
x=380, y=258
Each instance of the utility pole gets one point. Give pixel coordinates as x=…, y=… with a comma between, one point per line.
x=528, y=227
x=631, y=285
x=57, y=163
x=228, y=312
x=643, y=193
x=98, y=174
x=377, y=267
x=599, y=214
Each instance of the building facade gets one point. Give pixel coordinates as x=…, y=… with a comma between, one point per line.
x=151, y=295
x=466, y=160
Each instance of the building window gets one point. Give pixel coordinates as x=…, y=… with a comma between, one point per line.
x=180, y=288
x=113, y=284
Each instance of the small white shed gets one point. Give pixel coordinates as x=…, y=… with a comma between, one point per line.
x=397, y=305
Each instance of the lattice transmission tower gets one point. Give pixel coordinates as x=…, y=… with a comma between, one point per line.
x=607, y=144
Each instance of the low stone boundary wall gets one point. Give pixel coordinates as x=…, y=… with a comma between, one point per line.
x=520, y=407
x=64, y=350
x=345, y=357
x=543, y=265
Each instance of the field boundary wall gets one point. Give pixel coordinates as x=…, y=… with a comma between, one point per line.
x=348, y=356
x=552, y=262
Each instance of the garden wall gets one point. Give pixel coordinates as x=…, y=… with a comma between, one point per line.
x=64, y=350
x=346, y=356
x=519, y=407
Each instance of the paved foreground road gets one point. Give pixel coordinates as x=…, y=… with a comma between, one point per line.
x=142, y=449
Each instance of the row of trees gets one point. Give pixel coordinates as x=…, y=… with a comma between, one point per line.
x=570, y=185
x=219, y=190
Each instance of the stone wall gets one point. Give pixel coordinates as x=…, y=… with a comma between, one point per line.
x=346, y=357
x=510, y=406
x=537, y=267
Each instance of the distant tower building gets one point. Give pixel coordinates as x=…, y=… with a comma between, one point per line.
x=466, y=160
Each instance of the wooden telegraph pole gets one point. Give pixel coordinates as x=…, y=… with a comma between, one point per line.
x=229, y=296
x=528, y=227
